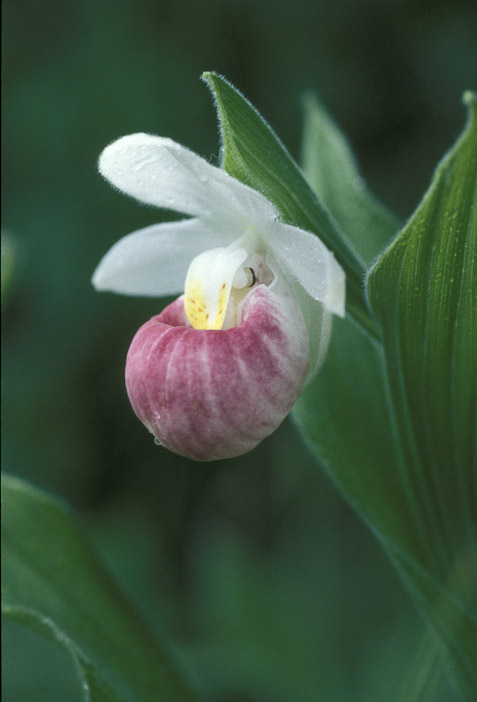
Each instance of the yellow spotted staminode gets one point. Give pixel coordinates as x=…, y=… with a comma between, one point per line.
x=208, y=286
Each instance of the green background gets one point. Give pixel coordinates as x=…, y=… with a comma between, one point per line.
x=269, y=585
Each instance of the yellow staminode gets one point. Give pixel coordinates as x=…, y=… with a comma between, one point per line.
x=208, y=285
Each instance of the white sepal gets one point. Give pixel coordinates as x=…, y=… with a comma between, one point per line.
x=158, y=171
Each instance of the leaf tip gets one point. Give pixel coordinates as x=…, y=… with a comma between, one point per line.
x=214, y=81
x=308, y=97
x=211, y=78
x=469, y=98
x=206, y=76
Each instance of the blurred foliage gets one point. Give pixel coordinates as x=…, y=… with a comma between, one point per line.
x=10, y=265
x=53, y=582
x=255, y=566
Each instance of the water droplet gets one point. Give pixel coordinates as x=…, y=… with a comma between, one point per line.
x=157, y=442
x=147, y=161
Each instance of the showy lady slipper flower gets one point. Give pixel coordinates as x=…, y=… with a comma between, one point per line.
x=219, y=369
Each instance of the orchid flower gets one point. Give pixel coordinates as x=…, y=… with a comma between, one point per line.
x=219, y=369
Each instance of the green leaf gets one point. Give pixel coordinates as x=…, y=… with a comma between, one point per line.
x=10, y=255
x=424, y=293
x=331, y=169
x=53, y=582
x=450, y=616
x=395, y=426
x=34, y=669
x=253, y=154
x=344, y=419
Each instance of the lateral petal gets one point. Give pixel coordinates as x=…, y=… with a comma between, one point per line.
x=306, y=258
x=154, y=261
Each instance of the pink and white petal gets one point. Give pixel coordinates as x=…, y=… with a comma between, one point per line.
x=159, y=171
x=209, y=394
x=154, y=261
x=307, y=259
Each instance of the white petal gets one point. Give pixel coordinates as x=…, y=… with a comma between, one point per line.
x=160, y=172
x=306, y=258
x=154, y=261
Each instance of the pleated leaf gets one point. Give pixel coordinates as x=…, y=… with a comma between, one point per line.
x=424, y=293
x=53, y=582
x=408, y=466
